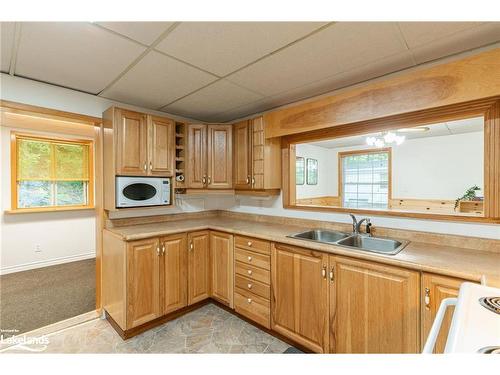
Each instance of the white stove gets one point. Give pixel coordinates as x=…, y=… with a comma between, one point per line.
x=475, y=327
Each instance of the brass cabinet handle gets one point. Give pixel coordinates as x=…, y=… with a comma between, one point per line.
x=249, y=300
x=204, y=180
x=158, y=250
x=331, y=274
x=163, y=249
x=427, y=298
x=209, y=179
x=150, y=166
x=249, y=286
x=191, y=246
x=145, y=166
x=253, y=181
x=248, y=180
x=249, y=243
x=249, y=258
x=323, y=272
x=249, y=272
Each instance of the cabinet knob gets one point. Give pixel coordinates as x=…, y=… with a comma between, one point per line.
x=323, y=272
x=150, y=166
x=253, y=180
x=191, y=246
x=427, y=298
x=249, y=243
x=249, y=300
x=331, y=275
x=248, y=180
x=249, y=259
x=249, y=272
x=158, y=251
x=209, y=179
x=163, y=249
x=204, y=180
x=249, y=286
x=145, y=166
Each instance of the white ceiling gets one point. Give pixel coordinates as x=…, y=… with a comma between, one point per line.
x=220, y=71
x=470, y=125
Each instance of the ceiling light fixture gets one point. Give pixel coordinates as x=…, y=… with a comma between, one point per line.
x=418, y=129
x=387, y=138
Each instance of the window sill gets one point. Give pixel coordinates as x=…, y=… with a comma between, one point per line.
x=48, y=209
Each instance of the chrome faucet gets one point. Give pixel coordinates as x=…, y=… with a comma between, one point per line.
x=356, y=225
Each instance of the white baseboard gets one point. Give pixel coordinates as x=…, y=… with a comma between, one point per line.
x=45, y=263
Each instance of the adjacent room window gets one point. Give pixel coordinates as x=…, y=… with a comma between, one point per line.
x=51, y=173
x=312, y=171
x=300, y=171
x=365, y=178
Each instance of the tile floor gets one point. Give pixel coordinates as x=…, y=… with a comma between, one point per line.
x=209, y=329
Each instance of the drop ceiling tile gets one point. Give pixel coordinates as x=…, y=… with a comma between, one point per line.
x=77, y=55
x=143, y=32
x=223, y=47
x=6, y=44
x=475, y=37
x=219, y=97
x=420, y=33
x=331, y=51
x=242, y=111
x=157, y=80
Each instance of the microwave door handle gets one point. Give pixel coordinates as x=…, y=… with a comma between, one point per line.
x=436, y=326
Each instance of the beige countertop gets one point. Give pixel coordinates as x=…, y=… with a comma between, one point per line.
x=447, y=260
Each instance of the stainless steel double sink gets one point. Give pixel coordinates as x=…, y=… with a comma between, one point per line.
x=353, y=241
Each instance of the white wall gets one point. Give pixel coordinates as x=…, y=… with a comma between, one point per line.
x=327, y=185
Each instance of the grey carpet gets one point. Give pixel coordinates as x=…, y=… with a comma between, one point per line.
x=35, y=298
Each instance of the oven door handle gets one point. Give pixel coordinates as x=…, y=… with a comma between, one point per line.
x=436, y=326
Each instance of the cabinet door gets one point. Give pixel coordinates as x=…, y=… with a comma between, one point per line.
x=221, y=259
x=374, y=308
x=198, y=266
x=435, y=288
x=299, y=300
x=220, y=167
x=197, y=156
x=131, y=143
x=173, y=273
x=242, y=155
x=143, y=281
x=161, y=147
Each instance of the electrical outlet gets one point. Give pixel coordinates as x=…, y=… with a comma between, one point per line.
x=38, y=248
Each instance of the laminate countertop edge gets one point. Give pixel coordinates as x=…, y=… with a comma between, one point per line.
x=441, y=259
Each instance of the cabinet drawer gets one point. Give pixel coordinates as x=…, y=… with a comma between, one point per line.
x=249, y=243
x=253, y=286
x=253, y=273
x=253, y=307
x=253, y=258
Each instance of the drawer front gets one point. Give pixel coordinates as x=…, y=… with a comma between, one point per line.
x=252, y=307
x=252, y=286
x=249, y=243
x=253, y=258
x=253, y=273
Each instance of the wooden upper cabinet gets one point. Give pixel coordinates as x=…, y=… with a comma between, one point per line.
x=221, y=259
x=219, y=160
x=242, y=155
x=374, y=308
x=435, y=288
x=173, y=272
x=198, y=266
x=197, y=156
x=131, y=143
x=161, y=146
x=299, y=300
x=143, y=281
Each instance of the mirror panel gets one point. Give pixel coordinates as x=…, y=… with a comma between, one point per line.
x=436, y=168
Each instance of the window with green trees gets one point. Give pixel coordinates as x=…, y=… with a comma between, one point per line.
x=51, y=173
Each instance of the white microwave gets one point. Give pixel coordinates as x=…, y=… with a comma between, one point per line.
x=142, y=191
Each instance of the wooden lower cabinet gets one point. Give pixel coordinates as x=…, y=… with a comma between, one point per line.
x=198, y=266
x=299, y=296
x=435, y=288
x=143, y=281
x=173, y=272
x=374, y=308
x=222, y=267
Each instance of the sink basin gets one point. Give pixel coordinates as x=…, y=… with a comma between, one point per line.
x=374, y=244
x=320, y=235
x=353, y=241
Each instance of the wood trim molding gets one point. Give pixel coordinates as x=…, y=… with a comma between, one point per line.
x=464, y=81
x=492, y=161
